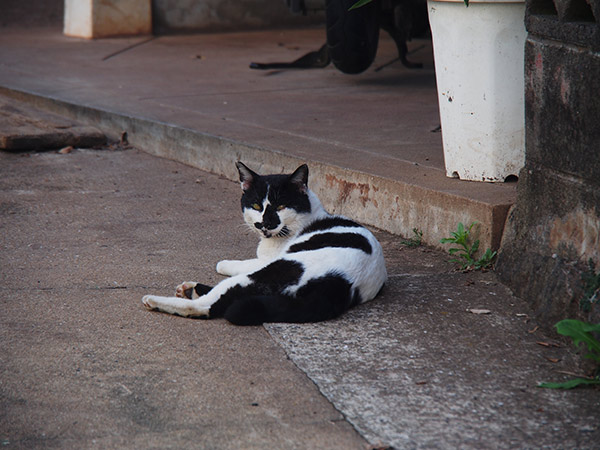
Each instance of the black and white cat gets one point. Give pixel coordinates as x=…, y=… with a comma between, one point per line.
x=310, y=266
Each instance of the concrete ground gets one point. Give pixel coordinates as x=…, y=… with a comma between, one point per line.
x=85, y=234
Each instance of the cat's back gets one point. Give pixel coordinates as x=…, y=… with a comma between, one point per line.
x=336, y=244
x=333, y=232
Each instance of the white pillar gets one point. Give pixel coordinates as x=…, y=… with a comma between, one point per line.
x=103, y=18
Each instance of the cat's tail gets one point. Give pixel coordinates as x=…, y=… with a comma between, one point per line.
x=321, y=299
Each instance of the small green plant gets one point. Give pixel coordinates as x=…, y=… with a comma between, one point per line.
x=359, y=3
x=591, y=287
x=580, y=332
x=416, y=240
x=465, y=252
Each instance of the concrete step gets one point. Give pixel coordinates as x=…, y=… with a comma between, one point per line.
x=369, y=140
x=23, y=128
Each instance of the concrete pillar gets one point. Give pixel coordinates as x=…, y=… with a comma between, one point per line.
x=104, y=18
x=551, y=242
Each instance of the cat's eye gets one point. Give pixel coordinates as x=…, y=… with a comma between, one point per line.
x=256, y=206
x=280, y=207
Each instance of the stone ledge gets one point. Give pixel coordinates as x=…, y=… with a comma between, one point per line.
x=22, y=128
x=390, y=205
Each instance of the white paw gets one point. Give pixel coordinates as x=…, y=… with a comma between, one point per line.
x=148, y=302
x=227, y=268
x=180, y=290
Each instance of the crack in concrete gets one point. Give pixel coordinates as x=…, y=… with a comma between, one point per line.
x=129, y=47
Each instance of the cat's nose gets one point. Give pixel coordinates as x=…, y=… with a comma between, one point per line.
x=265, y=225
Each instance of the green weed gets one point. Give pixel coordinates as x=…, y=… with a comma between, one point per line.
x=465, y=252
x=416, y=240
x=591, y=287
x=580, y=332
x=359, y=3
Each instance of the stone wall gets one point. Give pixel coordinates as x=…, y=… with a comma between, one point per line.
x=224, y=15
x=554, y=229
x=177, y=15
x=31, y=13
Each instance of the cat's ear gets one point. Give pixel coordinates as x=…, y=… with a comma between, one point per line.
x=300, y=178
x=247, y=177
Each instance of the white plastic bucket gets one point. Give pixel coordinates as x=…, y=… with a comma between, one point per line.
x=479, y=65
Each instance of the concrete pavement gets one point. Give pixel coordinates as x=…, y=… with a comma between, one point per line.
x=84, y=365
x=86, y=234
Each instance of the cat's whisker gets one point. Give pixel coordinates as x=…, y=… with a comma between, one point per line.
x=285, y=231
x=245, y=228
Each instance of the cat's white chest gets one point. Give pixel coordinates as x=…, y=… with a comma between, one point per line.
x=270, y=248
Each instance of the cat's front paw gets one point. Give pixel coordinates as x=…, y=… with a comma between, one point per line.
x=232, y=268
x=186, y=290
x=148, y=302
x=227, y=268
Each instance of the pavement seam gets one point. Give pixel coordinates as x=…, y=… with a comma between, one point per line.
x=343, y=417
x=78, y=288
x=129, y=47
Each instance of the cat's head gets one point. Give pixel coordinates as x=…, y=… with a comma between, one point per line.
x=275, y=205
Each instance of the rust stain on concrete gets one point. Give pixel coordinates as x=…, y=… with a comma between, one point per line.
x=579, y=230
x=346, y=188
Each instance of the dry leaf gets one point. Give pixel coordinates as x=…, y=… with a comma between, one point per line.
x=549, y=344
x=479, y=311
x=380, y=446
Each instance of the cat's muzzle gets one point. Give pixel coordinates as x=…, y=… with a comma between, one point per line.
x=264, y=230
x=272, y=232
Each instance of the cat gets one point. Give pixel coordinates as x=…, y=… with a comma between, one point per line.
x=310, y=266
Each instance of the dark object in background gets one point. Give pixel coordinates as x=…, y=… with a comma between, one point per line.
x=353, y=35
